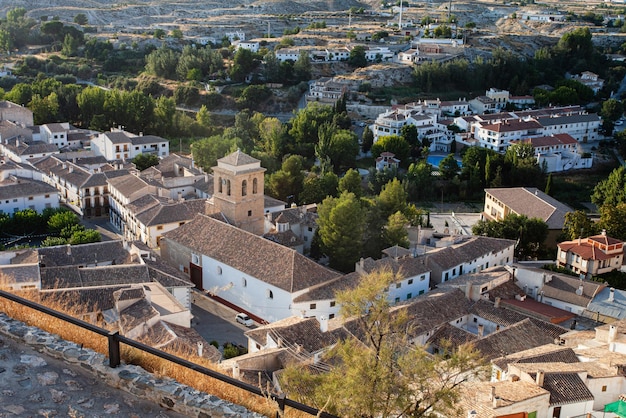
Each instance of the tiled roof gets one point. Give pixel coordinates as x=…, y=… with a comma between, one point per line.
x=128, y=184
x=405, y=267
x=549, y=353
x=146, y=139
x=267, y=261
x=165, y=213
x=565, y=388
x=238, y=158
x=270, y=202
x=566, y=288
x=165, y=274
x=467, y=250
x=10, y=189
x=136, y=314
x=518, y=337
x=85, y=300
x=454, y=335
x=165, y=335
x=328, y=290
x=550, y=141
x=397, y=252
x=117, y=137
x=294, y=332
x=73, y=276
x=513, y=125
x=585, y=250
x=84, y=254
x=286, y=238
x=476, y=396
x=507, y=318
x=19, y=273
x=562, y=120
x=533, y=203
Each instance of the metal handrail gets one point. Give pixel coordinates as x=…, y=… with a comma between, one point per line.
x=114, y=340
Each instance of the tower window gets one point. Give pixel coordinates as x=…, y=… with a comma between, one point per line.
x=254, y=186
x=249, y=213
x=228, y=187
x=219, y=182
x=244, y=187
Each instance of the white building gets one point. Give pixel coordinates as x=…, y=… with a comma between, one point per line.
x=560, y=152
x=122, y=145
x=18, y=194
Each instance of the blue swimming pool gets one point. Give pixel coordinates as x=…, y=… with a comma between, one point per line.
x=434, y=160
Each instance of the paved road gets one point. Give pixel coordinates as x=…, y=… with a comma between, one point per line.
x=33, y=384
x=214, y=321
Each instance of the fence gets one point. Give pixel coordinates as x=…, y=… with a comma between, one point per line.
x=114, y=340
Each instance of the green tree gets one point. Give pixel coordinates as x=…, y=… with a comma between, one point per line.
x=243, y=63
x=420, y=185
x=530, y=233
x=548, y=189
x=273, y=137
x=302, y=67
x=612, y=109
x=395, y=232
x=45, y=109
x=392, y=198
x=318, y=187
x=394, y=144
x=611, y=190
x=612, y=220
x=85, y=237
x=341, y=225
x=81, y=19
x=304, y=128
x=91, y=105
x=578, y=225
x=357, y=57
x=351, y=182
x=207, y=151
x=409, y=133
x=143, y=161
x=62, y=220
x=449, y=167
x=287, y=183
x=383, y=374
x=367, y=140
x=344, y=147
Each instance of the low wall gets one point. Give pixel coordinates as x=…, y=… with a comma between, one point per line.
x=133, y=379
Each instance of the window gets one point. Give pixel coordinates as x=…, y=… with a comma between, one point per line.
x=249, y=213
x=244, y=187
x=159, y=227
x=162, y=145
x=422, y=278
x=14, y=200
x=244, y=282
x=30, y=197
x=483, y=289
x=331, y=316
x=219, y=185
x=270, y=294
x=410, y=281
x=397, y=300
x=254, y=186
x=475, y=319
x=47, y=196
x=332, y=303
x=398, y=285
x=446, y=276
x=219, y=270
x=136, y=148
x=604, y=388
x=228, y=187
x=556, y=413
x=313, y=306
x=181, y=223
x=409, y=296
x=195, y=259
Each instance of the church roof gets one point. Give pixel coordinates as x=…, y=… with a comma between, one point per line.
x=256, y=256
x=238, y=158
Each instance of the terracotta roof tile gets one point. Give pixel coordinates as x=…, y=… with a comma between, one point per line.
x=238, y=158
x=254, y=255
x=565, y=388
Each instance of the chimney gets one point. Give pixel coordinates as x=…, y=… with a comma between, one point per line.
x=612, y=333
x=481, y=330
x=68, y=249
x=497, y=303
x=539, y=379
x=580, y=289
x=323, y=323
x=541, y=297
x=200, y=348
x=236, y=371
x=604, y=232
x=497, y=402
x=468, y=291
x=611, y=294
x=492, y=394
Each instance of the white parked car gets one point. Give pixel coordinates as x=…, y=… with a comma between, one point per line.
x=244, y=319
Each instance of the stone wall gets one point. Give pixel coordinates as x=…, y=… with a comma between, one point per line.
x=133, y=379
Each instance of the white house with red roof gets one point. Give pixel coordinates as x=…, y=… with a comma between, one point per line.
x=559, y=152
x=386, y=161
x=592, y=255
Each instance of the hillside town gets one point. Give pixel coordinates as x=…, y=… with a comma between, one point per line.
x=295, y=207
